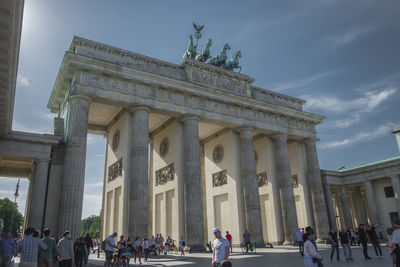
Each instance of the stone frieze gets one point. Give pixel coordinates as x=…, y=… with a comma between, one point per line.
x=219, y=178
x=197, y=102
x=166, y=174
x=114, y=170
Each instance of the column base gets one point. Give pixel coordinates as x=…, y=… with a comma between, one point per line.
x=286, y=243
x=196, y=248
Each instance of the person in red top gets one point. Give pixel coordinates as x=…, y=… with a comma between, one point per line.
x=229, y=237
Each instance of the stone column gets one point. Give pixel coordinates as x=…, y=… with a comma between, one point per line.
x=369, y=193
x=317, y=190
x=138, y=222
x=284, y=179
x=248, y=173
x=396, y=189
x=345, y=206
x=329, y=204
x=74, y=165
x=194, y=228
x=38, y=194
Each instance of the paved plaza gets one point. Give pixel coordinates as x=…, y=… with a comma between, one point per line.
x=278, y=256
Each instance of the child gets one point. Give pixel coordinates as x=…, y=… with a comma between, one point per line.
x=166, y=247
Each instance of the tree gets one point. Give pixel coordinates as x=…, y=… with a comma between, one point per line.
x=91, y=226
x=9, y=212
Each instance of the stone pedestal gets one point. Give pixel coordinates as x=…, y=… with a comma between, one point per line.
x=317, y=190
x=38, y=194
x=194, y=228
x=396, y=189
x=284, y=178
x=369, y=193
x=74, y=165
x=345, y=207
x=138, y=222
x=248, y=173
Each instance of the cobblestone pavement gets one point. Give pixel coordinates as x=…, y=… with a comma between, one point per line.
x=278, y=256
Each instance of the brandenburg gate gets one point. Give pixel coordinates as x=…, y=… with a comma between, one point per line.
x=189, y=147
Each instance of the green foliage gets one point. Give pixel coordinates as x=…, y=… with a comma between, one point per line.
x=91, y=225
x=9, y=212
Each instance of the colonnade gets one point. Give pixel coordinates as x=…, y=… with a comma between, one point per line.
x=138, y=208
x=351, y=204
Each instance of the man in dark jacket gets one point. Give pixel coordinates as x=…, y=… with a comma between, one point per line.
x=89, y=245
x=371, y=231
x=364, y=241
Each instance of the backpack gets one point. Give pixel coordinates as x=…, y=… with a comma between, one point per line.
x=103, y=245
x=183, y=243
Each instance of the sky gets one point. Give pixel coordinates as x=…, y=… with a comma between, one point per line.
x=342, y=57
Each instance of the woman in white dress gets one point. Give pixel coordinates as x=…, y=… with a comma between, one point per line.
x=310, y=252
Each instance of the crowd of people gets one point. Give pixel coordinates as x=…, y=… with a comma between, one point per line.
x=138, y=247
x=42, y=252
x=36, y=251
x=346, y=238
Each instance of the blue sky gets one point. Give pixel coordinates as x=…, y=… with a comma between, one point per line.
x=341, y=56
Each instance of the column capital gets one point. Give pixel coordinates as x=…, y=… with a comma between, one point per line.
x=76, y=96
x=279, y=136
x=187, y=117
x=245, y=131
x=136, y=108
x=310, y=141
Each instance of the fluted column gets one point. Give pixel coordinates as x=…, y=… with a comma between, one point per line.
x=284, y=178
x=138, y=223
x=194, y=228
x=396, y=189
x=38, y=194
x=74, y=164
x=329, y=204
x=317, y=190
x=345, y=206
x=369, y=193
x=248, y=173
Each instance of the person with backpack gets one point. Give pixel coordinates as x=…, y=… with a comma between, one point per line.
x=182, y=245
x=80, y=251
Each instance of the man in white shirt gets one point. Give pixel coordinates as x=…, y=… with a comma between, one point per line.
x=109, y=248
x=221, y=248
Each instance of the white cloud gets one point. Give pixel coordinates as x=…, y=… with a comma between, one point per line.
x=363, y=136
x=350, y=35
x=301, y=83
x=346, y=122
x=365, y=103
x=100, y=184
x=17, y=126
x=46, y=115
x=23, y=81
x=91, y=205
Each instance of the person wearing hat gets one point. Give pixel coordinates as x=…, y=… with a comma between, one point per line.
x=221, y=248
x=66, y=248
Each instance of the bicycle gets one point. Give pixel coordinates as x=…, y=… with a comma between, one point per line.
x=122, y=260
x=252, y=247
